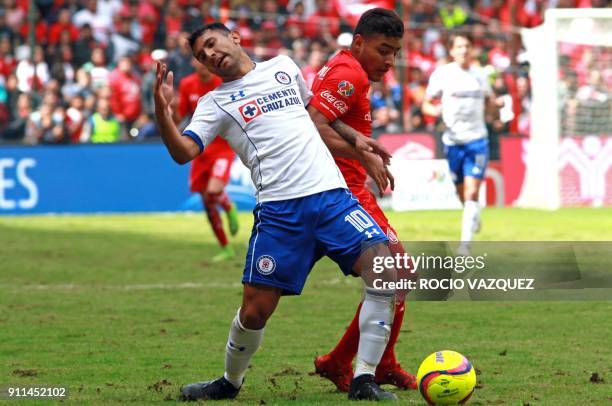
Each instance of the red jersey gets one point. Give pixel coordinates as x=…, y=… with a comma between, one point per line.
x=340, y=91
x=191, y=88
x=126, y=100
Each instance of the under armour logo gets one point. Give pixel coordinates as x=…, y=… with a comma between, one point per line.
x=371, y=233
x=238, y=95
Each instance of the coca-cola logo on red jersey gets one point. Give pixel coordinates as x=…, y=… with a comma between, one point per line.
x=339, y=105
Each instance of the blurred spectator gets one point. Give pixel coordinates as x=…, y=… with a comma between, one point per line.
x=453, y=14
x=102, y=126
x=121, y=42
x=63, y=24
x=385, y=121
x=75, y=116
x=32, y=74
x=100, y=14
x=144, y=16
x=15, y=16
x=84, y=46
x=62, y=68
x=148, y=80
x=315, y=63
x=243, y=26
x=498, y=55
x=179, y=57
x=7, y=60
x=81, y=86
x=97, y=69
x=173, y=18
x=524, y=112
x=125, y=89
x=297, y=17
x=5, y=30
x=594, y=106
x=17, y=127
x=324, y=19
x=47, y=126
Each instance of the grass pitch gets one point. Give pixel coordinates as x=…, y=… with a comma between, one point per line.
x=129, y=308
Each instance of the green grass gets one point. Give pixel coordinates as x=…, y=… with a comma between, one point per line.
x=128, y=308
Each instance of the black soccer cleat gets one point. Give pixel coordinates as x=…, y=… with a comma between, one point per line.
x=211, y=390
x=364, y=388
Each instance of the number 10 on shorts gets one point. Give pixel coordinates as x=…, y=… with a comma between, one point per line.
x=362, y=223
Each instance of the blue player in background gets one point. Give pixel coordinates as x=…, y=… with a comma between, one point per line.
x=464, y=93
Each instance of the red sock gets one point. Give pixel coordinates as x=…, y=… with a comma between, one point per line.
x=346, y=349
x=210, y=204
x=224, y=201
x=388, y=360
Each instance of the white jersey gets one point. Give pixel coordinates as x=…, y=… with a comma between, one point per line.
x=263, y=118
x=463, y=95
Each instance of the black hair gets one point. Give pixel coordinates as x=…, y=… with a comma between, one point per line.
x=380, y=21
x=212, y=26
x=455, y=35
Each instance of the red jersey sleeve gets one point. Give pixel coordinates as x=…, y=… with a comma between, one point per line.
x=337, y=91
x=183, y=103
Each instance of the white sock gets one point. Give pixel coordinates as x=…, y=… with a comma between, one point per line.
x=241, y=345
x=375, y=321
x=471, y=213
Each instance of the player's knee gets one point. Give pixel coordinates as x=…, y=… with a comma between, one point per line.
x=208, y=199
x=215, y=186
x=378, y=268
x=470, y=194
x=253, y=317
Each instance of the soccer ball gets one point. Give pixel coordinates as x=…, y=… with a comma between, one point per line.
x=446, y=378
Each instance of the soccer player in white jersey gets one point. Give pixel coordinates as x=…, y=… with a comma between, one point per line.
x=304, y=209
x=464, y=93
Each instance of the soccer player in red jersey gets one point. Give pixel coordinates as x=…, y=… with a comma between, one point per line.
x=210, y=171
x=340, y=102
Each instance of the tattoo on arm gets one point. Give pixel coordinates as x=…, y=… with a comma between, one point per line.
x=349, y=134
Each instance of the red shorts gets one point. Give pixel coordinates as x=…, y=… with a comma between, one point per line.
x=206, y=166
x=369, y=203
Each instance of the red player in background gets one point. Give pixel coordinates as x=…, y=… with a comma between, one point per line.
x=340, y=92
x=210, y=171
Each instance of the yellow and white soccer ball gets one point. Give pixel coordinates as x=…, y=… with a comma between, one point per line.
x=446, y=378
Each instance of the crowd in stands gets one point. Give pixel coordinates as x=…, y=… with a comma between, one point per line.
x=87, y=76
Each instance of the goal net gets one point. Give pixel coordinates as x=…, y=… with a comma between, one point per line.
x=569, y=155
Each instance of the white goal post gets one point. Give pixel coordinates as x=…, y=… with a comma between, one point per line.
x=552, y=117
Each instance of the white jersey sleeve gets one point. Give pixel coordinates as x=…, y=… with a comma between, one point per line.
x=305, y=92
x=206, y=122
x=486, y=86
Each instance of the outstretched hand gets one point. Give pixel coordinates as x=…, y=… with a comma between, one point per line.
x=163, y=90
x=378, y=171
x=367, y=144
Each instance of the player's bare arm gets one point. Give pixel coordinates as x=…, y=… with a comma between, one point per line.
x=182, y=149
x=493, y=105
x=359, y=141
x=430, y=108
x=372, y=152
x=340, y=147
